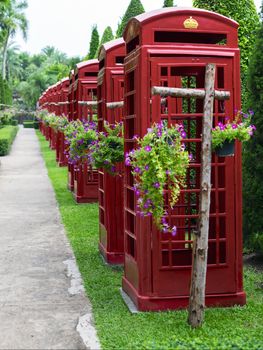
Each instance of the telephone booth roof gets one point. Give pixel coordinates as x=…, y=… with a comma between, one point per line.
x=64, y=80
x=155, y=27
x=110, y=45
x=86, y=63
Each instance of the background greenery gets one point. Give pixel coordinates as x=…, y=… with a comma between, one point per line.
x=245, y=13
x=253, y=153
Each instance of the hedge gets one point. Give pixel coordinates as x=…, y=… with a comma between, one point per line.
x=7, y=136
x=29, y=124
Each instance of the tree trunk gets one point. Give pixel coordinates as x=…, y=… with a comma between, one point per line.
x=200, y=243
x=5, y=56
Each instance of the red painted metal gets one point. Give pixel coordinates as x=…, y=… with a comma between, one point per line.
x=85, y=89
x=62, y=111
x=70, y=117
x=163, y=50
x=110, y=89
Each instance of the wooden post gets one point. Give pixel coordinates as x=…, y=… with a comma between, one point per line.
x=200, y=242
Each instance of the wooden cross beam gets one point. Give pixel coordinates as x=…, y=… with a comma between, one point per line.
x=88, y=103
x=200, y=241
x=188, y=93
x=119, y=104
x=63, y=103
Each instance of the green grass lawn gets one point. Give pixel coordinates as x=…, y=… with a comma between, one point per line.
x=228, y=328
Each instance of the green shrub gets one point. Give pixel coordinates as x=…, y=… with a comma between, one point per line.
x=245, y=13
x=7, y=136
x=135, y=8
x=36, y=124
x=29, y=124
x=14, y=122
x=253, y=151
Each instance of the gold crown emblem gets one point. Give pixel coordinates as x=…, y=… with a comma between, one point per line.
x=190, y=23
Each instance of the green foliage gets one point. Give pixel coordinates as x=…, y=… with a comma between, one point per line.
x=29, y=75
x=239, y=129
x=168, y=3
x=135, y=8
x=106, y=36
x=109, y=148
x=29, y=124
x=94, y=42
x=253, y=151
x=7, y=136
x=12, y=19
x=159, y=163
x=245, y=13
x=5, y=92
x=233, y=328
x=6, y=118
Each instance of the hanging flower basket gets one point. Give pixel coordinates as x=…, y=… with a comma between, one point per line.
x=226, y=150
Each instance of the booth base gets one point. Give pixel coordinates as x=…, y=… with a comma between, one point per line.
x=153, y=303
x=82, y=200
x=62, y=164
x=111, y=258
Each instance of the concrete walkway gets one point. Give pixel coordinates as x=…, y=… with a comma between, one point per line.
x=42, y=303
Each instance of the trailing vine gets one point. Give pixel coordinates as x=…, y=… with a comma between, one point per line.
x=159, y=164
x=108, y=150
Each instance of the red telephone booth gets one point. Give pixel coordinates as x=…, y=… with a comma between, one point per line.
x=85, y=90
x=171, y=47
x=55, y=108
x=71, y=95
x=110, y=89
x=70, y=118
x=63, y=99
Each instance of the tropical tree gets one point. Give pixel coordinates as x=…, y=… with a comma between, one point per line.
x=106, y=36
x=135, y=8
x=168, y=3
x=245, y=13
x=13, y=19
x=94, y=42
x=253, y=151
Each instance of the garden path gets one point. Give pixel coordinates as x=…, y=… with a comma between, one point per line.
x=42, y=299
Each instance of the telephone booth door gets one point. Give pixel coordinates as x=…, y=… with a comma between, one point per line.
x=87, y=93
x=173, y=255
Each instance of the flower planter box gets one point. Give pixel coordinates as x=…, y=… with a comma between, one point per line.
x=227, y=149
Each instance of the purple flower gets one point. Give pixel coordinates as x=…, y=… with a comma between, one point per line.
x=183, y=134
x=234, y=126
x=168, y=172
x=174, y=230
x=127, y=161
x=148, y=148
x=137, y=170
x=165, y=230
x=190, y=157
x=156, y=185
x=135, y=137
x=146, y=167
x=137, y=192
x=149, y=130
x=163, y=219
x=253, y=127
